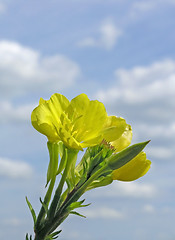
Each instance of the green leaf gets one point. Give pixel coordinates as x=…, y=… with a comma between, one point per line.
x=77, y=205
x=53, y=235
x=27, y=237
x=78, y=214
x=44, y=205
x=118, y=160
x=32, y=211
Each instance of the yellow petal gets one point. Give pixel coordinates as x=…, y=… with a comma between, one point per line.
x=133, y=170
x=114, y=128
x=88, y=118
x=45, y=117
x=124, y=140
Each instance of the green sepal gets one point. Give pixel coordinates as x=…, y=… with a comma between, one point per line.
x=78, y=214
x=118, y=160
x=32, y=211
x=101, y=182
x=93, y=160
x=71, y=161
x=53, y=148
x=69, y=184
x=63, y=155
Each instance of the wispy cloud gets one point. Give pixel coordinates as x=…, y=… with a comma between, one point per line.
x=161, y=152
x=128, y=189
x=12, y=222
x=103, y=212
x=23, y=70
x=2, y=7
x=142, y=84
x=107, y=37
x=14, y=169
x=148, y=208
x=11, y=113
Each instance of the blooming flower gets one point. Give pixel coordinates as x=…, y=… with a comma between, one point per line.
x=77, y=123
x=82, y=123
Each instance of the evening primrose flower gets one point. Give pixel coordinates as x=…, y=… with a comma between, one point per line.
x=77, y=123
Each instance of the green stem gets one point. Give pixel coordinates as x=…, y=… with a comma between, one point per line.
x=77, y=193
x=70, y=157
x=73, y=196
x=47, y=198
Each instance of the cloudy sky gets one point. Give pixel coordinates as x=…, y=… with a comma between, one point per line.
x=120, y=52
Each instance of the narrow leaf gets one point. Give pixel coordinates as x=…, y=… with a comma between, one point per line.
x=44, y=205
x=78, y=214
x=32, y=211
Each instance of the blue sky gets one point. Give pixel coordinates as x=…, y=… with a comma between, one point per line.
x=120, y=52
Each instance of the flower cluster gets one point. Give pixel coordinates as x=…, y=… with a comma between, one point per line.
x=82, y=123
x=72, y=126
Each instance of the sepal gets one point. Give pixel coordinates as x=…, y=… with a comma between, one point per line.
x=53, y=148
x=120, y=159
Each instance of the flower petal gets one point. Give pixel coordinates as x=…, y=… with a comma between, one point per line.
x=114, y=128
x=133, y=170
x=124, y=140
x=88, y=118
x=45, y=117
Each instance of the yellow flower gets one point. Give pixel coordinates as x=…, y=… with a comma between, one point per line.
x=134, y=169
x=77, y=123
x=139, y=165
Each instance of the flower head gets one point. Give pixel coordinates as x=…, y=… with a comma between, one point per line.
x=77, y=123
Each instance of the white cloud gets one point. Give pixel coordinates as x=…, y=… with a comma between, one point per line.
x=138, y=8
x=160, y=131
x=14, y=169
x=160, y=152
x=148, y=208
x=134, y=189
x=2, y=7
x=127, y=189
x=12, y=222
x=103, y=212
x=11, y=113
x=142, y=84
x=108, y=35
x=23, y=70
